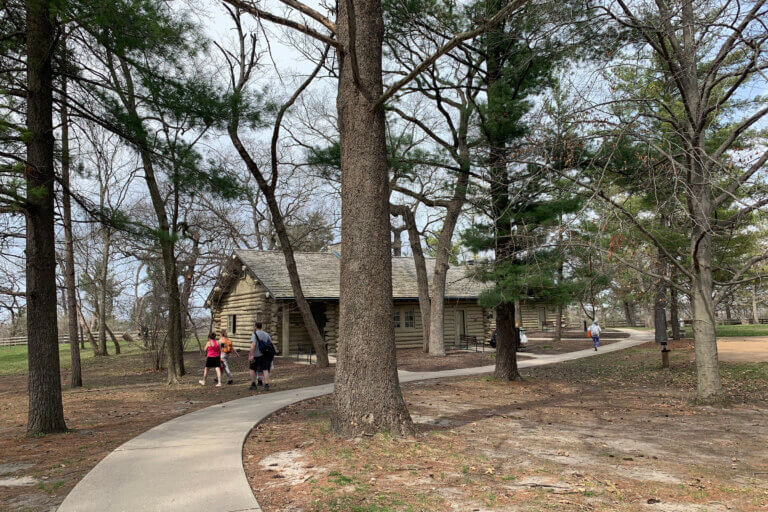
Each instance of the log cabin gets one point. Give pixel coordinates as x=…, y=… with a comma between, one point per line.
x=254, y=286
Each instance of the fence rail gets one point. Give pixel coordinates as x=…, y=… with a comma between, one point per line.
x=22, y=340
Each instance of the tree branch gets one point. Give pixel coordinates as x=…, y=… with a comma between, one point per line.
x=447, y=47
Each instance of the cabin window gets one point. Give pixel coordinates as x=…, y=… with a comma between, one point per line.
x=397, y=319
x=232, y=324
x=410, y=320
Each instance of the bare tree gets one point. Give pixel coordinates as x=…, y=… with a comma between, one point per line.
x=711, y=55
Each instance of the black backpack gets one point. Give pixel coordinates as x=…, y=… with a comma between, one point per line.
x=266, y=347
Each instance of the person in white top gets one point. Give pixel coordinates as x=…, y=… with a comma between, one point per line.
x=594, y=331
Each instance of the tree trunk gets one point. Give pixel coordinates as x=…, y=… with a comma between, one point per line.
x=559, y=314
x=674, y=313
x=87, y=330
x=286, y=247
x=708, y=386
x=76, y=374
x=113, y=338
x=660, y=299
x=506, y=333
x=367, y=396
x=46, y=412
x=506, y=344
x=166, y=236
x=103, y=282
x=422, y=281
x=175, y=353
x=442, y=262
x=755, y=315
x=293, y=273
x=629, y=313
x=397, y=242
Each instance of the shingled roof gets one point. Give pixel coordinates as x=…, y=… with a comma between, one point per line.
x=319, y=274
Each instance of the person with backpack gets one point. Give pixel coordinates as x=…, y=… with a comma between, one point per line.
x=594, y=331
x=261, y=355
x=213, y=360
x=226, y=350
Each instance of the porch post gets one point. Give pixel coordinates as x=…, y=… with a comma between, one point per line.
x=285, y=332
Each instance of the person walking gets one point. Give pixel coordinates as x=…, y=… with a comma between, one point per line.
x=594, y=331
x=226, y=351
x=213, y=360
x=261, y=355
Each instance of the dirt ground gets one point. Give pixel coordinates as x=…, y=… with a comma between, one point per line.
x=743, y=349
x=609, y=433
x=547, y=346
x=122, y=399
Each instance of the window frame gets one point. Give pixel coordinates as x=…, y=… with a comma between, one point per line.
x=397, y=318
x=412, y=321
x=232, y=324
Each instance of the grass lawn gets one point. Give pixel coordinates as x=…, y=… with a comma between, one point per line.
x=727, y=330
x=613, y=433
x=13, y=360
x=742, y=330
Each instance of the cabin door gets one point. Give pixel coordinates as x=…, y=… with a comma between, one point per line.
x=543, y=318
x=461, y=324
x=318, y=313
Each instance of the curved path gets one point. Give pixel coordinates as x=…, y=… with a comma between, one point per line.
x=194, y=462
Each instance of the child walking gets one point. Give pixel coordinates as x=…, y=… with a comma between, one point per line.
x=213, y=360
x=226, y=350
x=594, y=331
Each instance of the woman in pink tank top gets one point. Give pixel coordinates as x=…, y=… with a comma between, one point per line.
x=213, y=360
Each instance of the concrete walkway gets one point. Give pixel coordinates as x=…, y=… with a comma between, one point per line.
x=194, y=462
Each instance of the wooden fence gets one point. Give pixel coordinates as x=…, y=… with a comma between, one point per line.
x=22, y=340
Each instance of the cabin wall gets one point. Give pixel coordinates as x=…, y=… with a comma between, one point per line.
x=533, y=313
x=247, y=301
x=475, y=323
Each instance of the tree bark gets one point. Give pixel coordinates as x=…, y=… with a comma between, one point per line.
x=442, y=256
x=629, y=313
x=674, y=313
x=113, y=338
x=559, y=314
x=422, y=281
x=84, y=327
x=709, y=385
x=507, y=341
x=76, y=373
x=367, y=396
x=397, y=241
x=660, y=303
x=103, y=282
x=46, y=412
x=755, y=314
